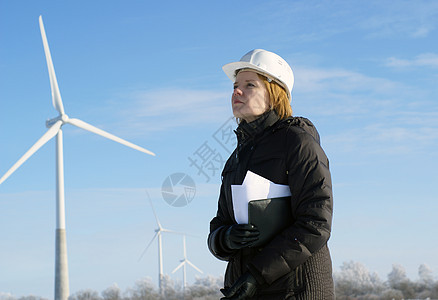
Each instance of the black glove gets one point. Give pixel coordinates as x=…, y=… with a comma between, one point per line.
x=240, y=236
x=244, y=287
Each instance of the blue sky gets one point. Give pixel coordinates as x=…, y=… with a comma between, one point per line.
x=150, y=72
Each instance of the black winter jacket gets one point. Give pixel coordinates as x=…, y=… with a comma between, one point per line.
x=295, y=264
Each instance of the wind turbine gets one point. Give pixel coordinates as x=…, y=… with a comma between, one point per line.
x=183, y=263
x=158, y=232
x=54, y=125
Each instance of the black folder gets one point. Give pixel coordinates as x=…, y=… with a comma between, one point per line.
x=270, y=216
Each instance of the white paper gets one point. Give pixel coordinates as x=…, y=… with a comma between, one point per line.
x=254, y=187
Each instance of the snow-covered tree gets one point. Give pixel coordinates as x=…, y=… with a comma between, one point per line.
x=398, y=280
x=355, y=280
x=87, y=294
x=425, y=274
x=144, y=289
x=112, y=293
x=206, y=288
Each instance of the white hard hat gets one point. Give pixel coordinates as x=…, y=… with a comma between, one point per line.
x=268, y=64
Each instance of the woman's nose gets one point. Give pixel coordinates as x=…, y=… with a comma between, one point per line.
x=237, y=91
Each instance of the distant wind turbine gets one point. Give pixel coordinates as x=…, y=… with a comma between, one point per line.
x=183, y=263
x=158, y=232
x=54, y=125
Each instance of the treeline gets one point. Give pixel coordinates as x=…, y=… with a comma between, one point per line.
x=355, y=282
x=352, y=282
x=203, y=288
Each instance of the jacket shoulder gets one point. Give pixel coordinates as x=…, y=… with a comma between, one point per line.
x=299, y=126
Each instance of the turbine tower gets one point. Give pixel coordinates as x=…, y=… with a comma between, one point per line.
x=54, y=125
x=158, y=232
x=183, y=263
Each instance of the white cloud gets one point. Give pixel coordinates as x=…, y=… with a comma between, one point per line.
x=380, y=139
x=380, y=111
x=169, y=101
x=372, y=19
x=407, y=18
x=379, y=115
x=160, y=110
x=421, y=32
x=345, y=93
x=422, y=60
x=330, y=80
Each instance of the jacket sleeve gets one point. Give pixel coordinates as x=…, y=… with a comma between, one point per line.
x=218, y=226
x=311, y=205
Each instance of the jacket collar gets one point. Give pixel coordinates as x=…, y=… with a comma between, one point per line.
x=252, y=129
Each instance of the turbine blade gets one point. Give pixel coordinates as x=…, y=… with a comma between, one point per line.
x=193, y=266
x=44, y=139
x=155, y=214
x=147, y=247
x=179, y=266
x=91, y=128
x=56, y=95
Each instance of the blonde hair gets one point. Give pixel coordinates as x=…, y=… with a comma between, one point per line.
x=278, y=99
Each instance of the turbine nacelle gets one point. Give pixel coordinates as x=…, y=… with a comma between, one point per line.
x=183, y=263
x=158, y=234
x=64, y=118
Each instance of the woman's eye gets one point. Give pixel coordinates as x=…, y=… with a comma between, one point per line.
x=250, y=85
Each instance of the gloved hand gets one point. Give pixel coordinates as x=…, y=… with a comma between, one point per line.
x=239, y=236
x=244, y=287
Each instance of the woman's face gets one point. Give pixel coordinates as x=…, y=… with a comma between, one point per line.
x=250, y=98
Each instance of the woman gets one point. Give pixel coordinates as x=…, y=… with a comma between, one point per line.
x=295, y=263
